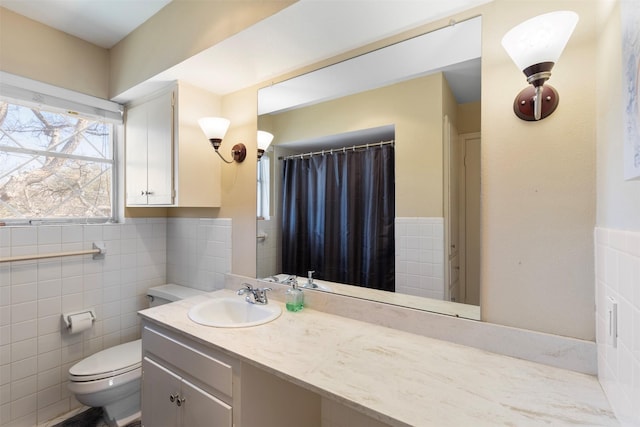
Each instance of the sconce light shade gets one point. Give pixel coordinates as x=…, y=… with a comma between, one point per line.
x=540, y=39
x=264, y=139
x=535, y=46
x=215, y=128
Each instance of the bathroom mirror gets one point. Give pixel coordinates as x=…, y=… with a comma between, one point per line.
x=422, y=96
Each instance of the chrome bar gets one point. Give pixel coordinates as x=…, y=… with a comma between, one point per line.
x=337, y=150
x=97, y=252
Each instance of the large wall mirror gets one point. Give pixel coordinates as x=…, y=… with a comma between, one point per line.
x=410, y=112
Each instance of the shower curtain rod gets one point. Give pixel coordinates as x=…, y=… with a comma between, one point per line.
x=335, y=150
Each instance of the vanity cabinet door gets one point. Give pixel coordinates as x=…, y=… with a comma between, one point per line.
x=201, y=409
x=160, y=389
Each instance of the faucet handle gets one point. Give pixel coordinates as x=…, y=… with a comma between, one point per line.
x=247, y=288
x=310, y=274
x=262, y=295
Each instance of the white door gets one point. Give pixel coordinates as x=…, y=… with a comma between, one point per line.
x=472, y=220
x=452, y=156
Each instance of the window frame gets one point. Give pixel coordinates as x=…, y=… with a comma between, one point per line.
x=30, y=93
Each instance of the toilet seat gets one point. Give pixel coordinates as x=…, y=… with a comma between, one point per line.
x=108, y=363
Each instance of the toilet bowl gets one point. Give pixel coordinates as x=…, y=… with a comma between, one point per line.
x=111, y=378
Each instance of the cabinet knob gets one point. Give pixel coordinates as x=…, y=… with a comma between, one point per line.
x=180, y=401
x=174, y=397
x=142, y=193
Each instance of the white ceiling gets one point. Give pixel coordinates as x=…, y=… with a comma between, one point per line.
x=304, y=33
x=101, y=22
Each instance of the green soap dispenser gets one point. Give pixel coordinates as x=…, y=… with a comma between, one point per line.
x=294, y=297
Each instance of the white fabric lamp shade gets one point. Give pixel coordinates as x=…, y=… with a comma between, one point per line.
x=540, y=39
x=264, y=139
x=214, y=127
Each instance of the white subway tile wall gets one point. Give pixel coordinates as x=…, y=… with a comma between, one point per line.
x=35, y=350
x=420, y=256
x=618, y=277
x=198, y=252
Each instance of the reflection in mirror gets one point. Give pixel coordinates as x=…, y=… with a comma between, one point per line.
x=418, y=103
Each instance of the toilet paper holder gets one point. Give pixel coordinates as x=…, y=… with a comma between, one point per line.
x=66, y=317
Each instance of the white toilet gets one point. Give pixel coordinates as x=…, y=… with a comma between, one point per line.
x=111, y=378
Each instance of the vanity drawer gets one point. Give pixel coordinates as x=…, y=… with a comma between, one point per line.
x=207, y=369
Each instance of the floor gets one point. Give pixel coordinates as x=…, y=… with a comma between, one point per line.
x=92, y=417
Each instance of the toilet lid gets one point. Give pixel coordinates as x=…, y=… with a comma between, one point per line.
x=109, y=362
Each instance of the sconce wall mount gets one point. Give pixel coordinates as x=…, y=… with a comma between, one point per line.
x=215, y=128
x=238, y=151
x=535, y=45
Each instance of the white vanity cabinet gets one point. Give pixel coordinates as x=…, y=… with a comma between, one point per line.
x=169, y=161
x=183, y=385
x=186, y=383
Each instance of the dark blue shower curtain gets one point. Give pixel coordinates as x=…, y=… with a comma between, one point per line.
x=338, y=217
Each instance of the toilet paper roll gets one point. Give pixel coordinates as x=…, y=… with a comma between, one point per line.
x=80, y=322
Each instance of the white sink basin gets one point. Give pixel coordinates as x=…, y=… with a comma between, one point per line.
x=233, y=313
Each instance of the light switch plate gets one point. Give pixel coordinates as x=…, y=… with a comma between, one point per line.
x=612, y=322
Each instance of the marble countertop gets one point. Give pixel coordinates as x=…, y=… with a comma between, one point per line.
x=400, y=378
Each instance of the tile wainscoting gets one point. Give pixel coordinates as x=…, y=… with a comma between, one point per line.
x=198, y=252
x=618, y=277
x=420, y=257
x=35, y=351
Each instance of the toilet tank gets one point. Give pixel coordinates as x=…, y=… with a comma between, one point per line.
x=165, y=294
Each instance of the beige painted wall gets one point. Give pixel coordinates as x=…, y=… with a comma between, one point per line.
x=538, y=206
x=180, y=30
x=538, y=188
x=469, y=117
x=618, y=200
x=30, y=49
x=414, y=107
x=538, y=183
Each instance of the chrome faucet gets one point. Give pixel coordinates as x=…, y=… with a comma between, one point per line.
x=254, y=295
x=310, y=283
x=291, y=279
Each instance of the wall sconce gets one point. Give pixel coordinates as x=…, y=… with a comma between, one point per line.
x=215, y=128
x=264, y=139
x=535, y=45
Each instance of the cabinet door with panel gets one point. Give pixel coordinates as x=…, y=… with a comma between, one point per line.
x=159, y=390
x=183, y=376
x=170, y=400
x=149, y=151
x=201, y=409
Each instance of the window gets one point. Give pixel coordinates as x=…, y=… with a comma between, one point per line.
x=54, y=163
x=263, y=187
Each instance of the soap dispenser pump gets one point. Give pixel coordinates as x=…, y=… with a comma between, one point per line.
x=294, y=296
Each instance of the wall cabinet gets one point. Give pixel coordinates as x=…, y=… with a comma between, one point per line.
x=169, y=161
x=149, y=147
